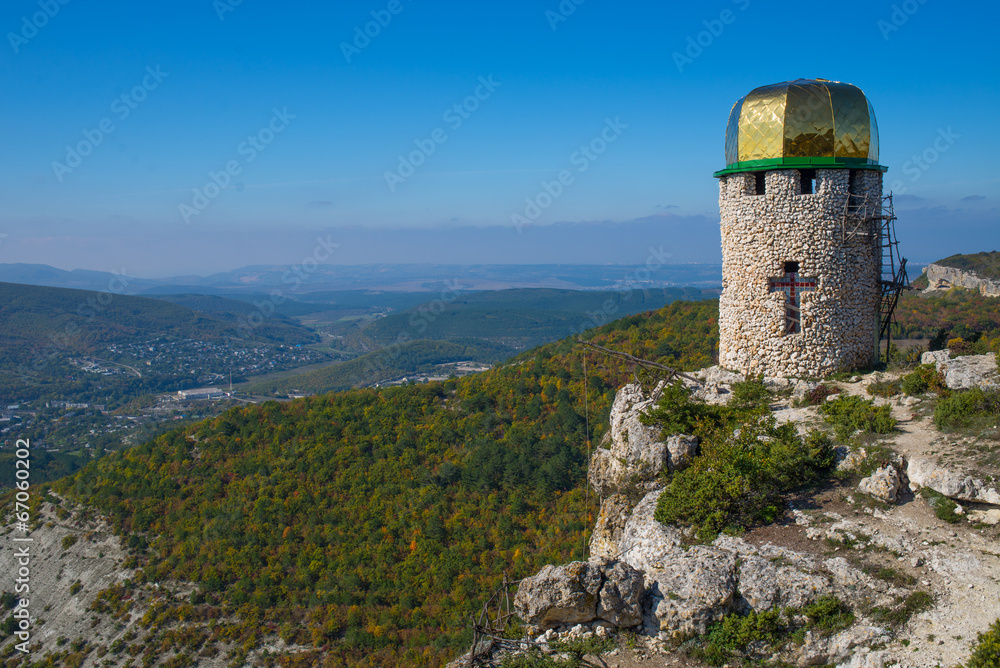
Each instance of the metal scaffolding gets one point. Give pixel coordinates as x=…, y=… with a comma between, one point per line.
x=893, y=277
x=875, y=218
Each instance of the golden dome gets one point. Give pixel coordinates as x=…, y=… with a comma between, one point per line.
x=803, y=123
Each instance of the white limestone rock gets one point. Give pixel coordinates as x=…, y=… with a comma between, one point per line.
x=883, y=485
x=966, y=372
x=611, y=519
x=991, y=516
x=560, y=595
x=767, y=582
x=621, y=595
x=941, y=278
x=953, y=484
x=581, y=592
x=690, y=590
x=634, y=452
x=645, y=543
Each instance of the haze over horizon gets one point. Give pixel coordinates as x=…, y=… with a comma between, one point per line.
x=206, y=136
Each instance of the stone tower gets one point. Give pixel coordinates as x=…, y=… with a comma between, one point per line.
x=800, y=200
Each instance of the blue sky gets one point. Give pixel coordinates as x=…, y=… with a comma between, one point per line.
x=265, y=99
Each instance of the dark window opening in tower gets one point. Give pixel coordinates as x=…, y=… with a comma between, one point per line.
x=852, y=182
x=761, y=182
x=808, y=177
x=791, y=267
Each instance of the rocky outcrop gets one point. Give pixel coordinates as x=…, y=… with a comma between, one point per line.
x=634, y=453
x=944, y=278
x=953, y=484
x=580, y=592
x=963, y=373
x=767, y=582
x=686, y=587
x=644, y=542
x=615, y=511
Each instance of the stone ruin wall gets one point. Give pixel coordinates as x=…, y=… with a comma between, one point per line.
x=759, y=234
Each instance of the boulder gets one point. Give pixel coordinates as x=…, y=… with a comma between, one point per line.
x=851, y=645
x=580, y=592
x=953, y=484
x=884, y=484
x=620, y=599
x=765, y=583
x=560, y=595
x=966, y=372
x=719, y=376
x=851, y=459
x=689, y=590
x=770, y=576
x=680, y=449
x=633, y=453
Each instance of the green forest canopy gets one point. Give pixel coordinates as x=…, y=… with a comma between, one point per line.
x=383, y=516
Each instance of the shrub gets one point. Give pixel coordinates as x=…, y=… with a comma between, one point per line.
x=762, y=633
x=885, y=388
x=737, y=479
x=749, y=394
x=677, y=412
x=965, y=409
x=68, y=541
x=986, y=653
x=940, y=340
x=925, y=378
x=850, y=413
x=736, y=633
x=942, y=506
x=905, y=607
x=828, y=615
x=818, y=394
x=970, y=343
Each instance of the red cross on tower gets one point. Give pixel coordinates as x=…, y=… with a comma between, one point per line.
x=792, y=285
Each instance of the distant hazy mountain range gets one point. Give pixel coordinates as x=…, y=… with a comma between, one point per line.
x=301, y=280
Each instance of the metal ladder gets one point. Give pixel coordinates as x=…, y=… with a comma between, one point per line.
x=893, y=276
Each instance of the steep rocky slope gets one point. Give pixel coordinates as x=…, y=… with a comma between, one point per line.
x=921, y=588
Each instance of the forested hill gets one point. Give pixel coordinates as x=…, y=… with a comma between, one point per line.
x=83, y=322
x=44, y=328
x=522, y=318
x=368, y=524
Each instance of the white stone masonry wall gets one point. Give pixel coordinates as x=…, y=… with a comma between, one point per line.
x=762, y=232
